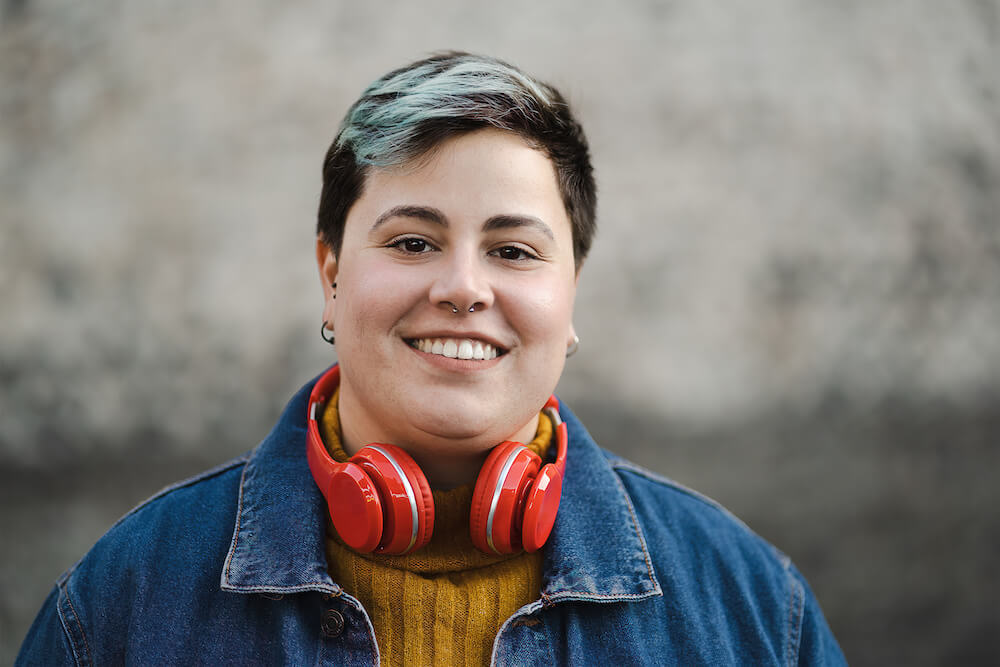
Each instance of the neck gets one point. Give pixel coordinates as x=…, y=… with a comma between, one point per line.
x=447, y=462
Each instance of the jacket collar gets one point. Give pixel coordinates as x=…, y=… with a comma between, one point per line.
x=596, y=550
x=277, y=544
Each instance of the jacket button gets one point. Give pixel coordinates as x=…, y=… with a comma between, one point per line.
x=333, y=623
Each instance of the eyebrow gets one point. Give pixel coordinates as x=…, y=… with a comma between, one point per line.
x=503, y=221
x=423, y=212
x=510, y=221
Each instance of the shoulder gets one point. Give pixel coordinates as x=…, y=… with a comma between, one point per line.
x=667, y=506
x=175, y=528
x=681, y=528
x=175, y=540
x=194, y=509
x=700, y=539
x=719, y=571
x=178, y=538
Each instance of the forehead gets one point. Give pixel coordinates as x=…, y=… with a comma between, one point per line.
x=469, y=177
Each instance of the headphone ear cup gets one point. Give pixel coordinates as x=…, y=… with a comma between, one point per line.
x=407, y=502
x=541, y=508
x=499, y=496
x=424, y=498
x=481, y=497
x=355, y=507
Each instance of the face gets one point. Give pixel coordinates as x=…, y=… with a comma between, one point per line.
x=476, y=227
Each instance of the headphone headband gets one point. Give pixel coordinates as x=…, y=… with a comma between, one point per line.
x=514, y=504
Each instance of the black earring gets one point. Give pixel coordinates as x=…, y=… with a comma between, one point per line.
x=322, y=332
x=334, y=286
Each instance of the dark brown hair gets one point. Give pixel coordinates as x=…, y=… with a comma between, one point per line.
x=406, y=113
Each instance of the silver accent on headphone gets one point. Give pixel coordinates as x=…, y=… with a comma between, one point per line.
x=496, y=495
x=554, y=416
x=409, y=494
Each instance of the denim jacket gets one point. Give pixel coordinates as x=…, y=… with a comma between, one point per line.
x=229, y=568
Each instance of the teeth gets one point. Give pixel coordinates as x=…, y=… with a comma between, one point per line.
x=456, y=348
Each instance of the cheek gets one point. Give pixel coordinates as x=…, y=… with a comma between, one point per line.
x=544, y=312
x=379, y=295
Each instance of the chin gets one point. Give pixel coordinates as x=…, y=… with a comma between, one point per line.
x=452, y=424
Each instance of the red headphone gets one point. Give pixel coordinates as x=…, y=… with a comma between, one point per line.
x=380, y=500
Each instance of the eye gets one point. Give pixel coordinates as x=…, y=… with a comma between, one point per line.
x=514, y=253
x=411, y=245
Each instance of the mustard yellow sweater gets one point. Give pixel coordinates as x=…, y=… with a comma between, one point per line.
x=445, y=603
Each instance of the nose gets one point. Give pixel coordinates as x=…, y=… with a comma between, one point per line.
x=462, y=284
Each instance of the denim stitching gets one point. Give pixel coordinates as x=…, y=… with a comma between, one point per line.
x=305, y=587
x=526, y=610
x=190, y=481
x=638, y=532
x=587, y=596
x=236, y=532
x=320, y=586
x=64, y=592
x=677, y=486
x=354, y=602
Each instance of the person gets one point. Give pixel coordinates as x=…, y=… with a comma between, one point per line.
x=391, y=515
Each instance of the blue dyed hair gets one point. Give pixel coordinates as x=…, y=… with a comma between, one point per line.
x=406, y=113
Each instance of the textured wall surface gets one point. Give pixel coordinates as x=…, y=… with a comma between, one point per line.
x=792, y=303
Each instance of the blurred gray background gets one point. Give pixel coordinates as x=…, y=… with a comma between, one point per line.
x=792, y=304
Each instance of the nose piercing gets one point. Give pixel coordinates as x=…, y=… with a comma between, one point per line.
x=454, y=308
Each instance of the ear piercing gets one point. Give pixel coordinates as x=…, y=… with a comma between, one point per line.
x=329, y=338
x=573, y=347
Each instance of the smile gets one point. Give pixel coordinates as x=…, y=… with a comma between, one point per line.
x=456, y=348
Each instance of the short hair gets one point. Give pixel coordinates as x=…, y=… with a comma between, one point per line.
x=406, y=113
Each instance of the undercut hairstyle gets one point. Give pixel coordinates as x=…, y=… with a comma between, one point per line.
x=405, y=114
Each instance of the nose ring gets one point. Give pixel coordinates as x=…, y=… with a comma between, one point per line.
x=454, y=308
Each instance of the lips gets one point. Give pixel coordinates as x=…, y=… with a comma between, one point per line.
x=456, y=348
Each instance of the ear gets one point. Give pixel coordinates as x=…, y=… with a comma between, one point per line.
x=572, y=329
x=326, y=261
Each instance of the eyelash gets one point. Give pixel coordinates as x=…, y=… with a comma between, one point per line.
x=528, y=255
x=400, y=244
